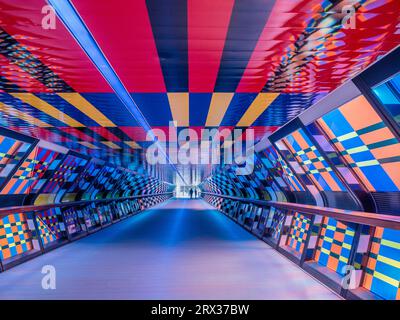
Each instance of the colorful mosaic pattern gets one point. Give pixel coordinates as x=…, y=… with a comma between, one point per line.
x=334, y=244
x=278, y=221
x=382, y=272
x=72, y=221
x=15, y=236
x=51, y=218
x=30, y=172
x=45, y=232
x=235, y=74
x=366, y=144
x=313, y=163
x=98, y=183
x=66, y=172
x=298, y=170
x=234, y=178
x=248, y=186
x=11, y=151
x=84, y=180
x=220, y=183
x=281, y=169
x=115, y=178
x=316, y=131
x=298, y=232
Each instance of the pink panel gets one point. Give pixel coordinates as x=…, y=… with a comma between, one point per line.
x=122, y=29
x=55, y=48
x=208, y=22
x=280, y=31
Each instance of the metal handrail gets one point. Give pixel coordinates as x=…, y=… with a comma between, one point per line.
x=358, y=217
x=35, y=208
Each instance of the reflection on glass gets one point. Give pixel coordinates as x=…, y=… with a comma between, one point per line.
x=388, y=94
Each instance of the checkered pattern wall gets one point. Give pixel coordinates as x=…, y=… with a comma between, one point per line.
x=53, y=221
x=65, y=172
x=313, y=163
x=15, y=236
x=365, y=143
x=45, y=233
x=220, y=183
x=114, y=179
x=278, y=222
x=330, y=153
x=382, y=272
x=11, y=151
x=234, y=74
x=250, y=191
x=33, y=168
x=72, y=221
x=84, y=180
x=281, y=170
x=99, y=184
x=334, y=244
x=298, y=233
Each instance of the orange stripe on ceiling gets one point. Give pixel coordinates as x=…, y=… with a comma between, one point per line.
x=133, y=144
x=179, y=104
x=257, y=107
x=23, y=116
x=87, y=108
x=88, y=144
x=111, y=144
x=47, y=108
x=123, y=31
x=218, y=106
x=208, y=22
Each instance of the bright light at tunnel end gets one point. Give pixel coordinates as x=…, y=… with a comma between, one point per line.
x=212, y=147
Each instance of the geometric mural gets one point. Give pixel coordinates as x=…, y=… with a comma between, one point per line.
x=382, y=272
x=15, y=236
x=365, y=143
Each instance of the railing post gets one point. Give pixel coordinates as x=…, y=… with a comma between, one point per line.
x=37, y=231
x=69, y=238
x=352, y=256
x=1, y=266
x=307, y=241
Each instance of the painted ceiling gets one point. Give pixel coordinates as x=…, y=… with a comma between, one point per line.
x=208, y=63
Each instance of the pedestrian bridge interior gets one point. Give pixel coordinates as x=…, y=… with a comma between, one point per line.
x=88, y=87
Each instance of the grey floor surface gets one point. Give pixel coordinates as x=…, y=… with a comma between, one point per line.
x=182, y=249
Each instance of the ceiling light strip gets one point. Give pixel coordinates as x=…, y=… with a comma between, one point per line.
x=75, y=24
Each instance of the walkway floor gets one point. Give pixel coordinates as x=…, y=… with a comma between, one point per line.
x=182, y=249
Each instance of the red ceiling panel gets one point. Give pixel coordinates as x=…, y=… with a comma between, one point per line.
x=55, y=48
x=123, y=31
x=208, y=22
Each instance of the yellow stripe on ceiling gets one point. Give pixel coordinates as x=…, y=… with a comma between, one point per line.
x=218, y=106
x=179, y=104
x=133, y=144
x=111, y=144
x=87, y=108
x=47, y=108
x=88, y=145
x=258, y=106
x=23, y=116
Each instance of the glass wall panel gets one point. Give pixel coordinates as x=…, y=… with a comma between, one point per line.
x=388, y=94
x=365, y=143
